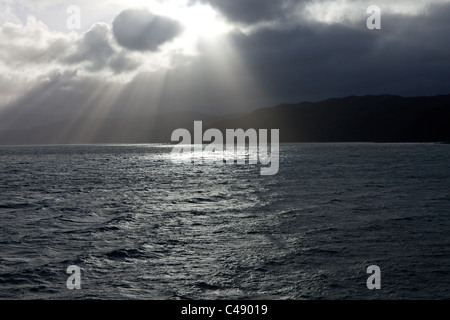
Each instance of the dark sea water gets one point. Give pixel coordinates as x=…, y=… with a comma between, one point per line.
x=142, y=227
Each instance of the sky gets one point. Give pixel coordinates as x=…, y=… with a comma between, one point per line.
x=79, y=59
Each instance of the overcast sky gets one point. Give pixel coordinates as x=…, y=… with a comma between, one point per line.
x=216, y=56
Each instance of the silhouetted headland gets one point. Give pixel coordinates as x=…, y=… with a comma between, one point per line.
x=384, y=118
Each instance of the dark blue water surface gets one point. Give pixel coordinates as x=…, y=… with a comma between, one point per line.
x=143, y=227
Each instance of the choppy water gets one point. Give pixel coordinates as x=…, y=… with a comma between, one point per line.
x=141, y=227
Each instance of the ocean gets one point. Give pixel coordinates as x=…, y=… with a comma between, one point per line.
x=140, y=226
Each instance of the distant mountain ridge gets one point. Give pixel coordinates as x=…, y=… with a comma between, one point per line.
x=383, y=118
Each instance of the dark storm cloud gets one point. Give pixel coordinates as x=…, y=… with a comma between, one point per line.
x=253, y=11
x=143, y=31
x=409, y=56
